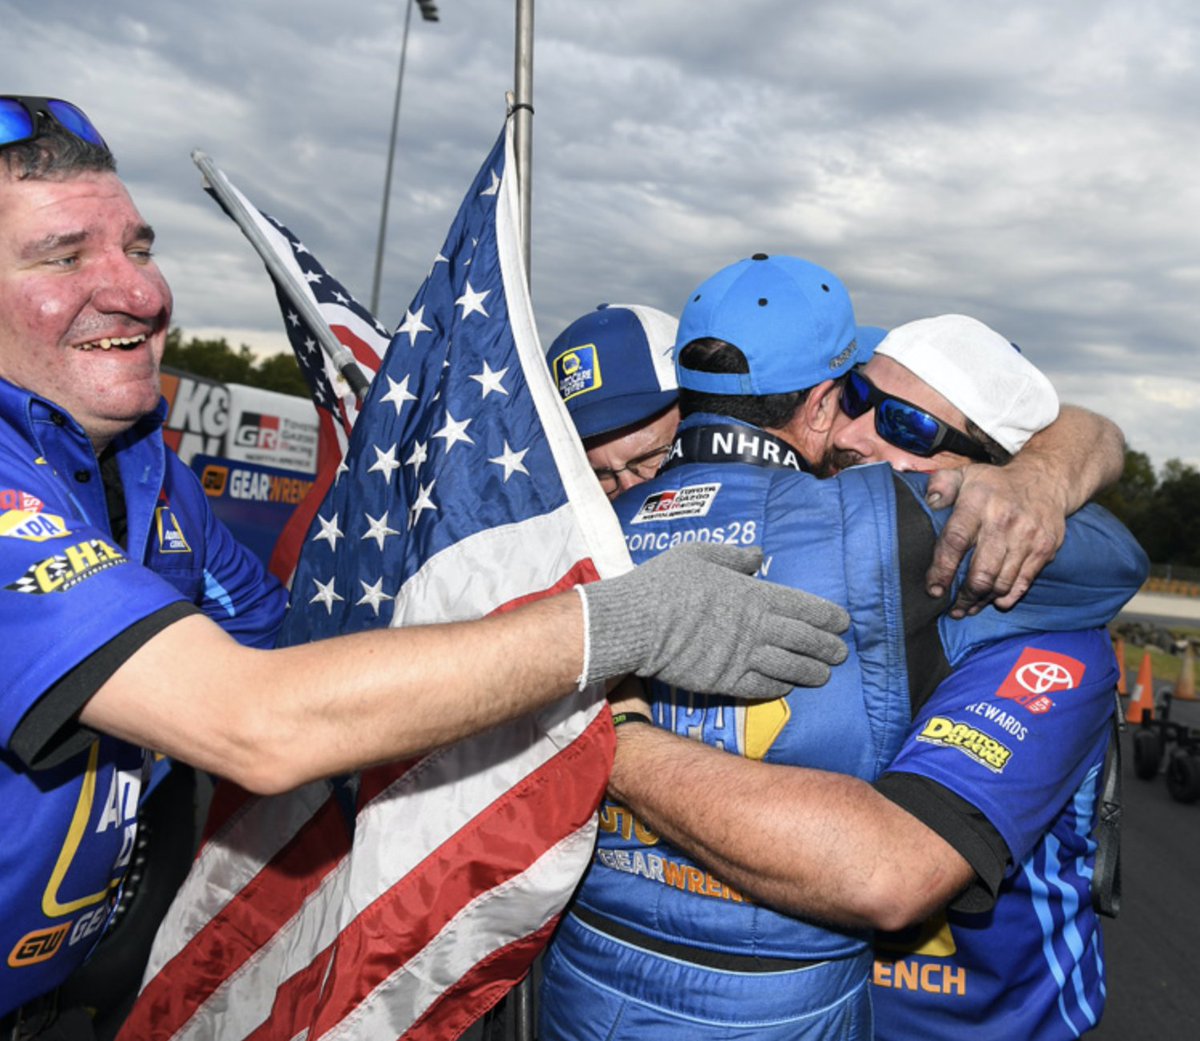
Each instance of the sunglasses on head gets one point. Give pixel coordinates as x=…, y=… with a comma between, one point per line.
x=902, y=424
x=21, y=120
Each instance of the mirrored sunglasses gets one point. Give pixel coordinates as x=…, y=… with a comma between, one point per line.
x=21, y=120
x=903, y=424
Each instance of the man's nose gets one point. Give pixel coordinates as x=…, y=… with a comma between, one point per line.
x=129, y=287
x=858, y=435
x=626, y=479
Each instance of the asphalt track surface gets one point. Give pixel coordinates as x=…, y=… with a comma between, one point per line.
x=1153, y=947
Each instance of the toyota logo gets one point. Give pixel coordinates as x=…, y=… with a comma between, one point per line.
x=1040, y=676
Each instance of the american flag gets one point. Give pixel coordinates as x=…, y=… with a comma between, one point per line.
x=464, y=491
x=359, y=331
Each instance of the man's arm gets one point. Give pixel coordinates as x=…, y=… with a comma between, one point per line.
x=271, y=720
x=807, y=842
x=1015, y=515
x=823, y=845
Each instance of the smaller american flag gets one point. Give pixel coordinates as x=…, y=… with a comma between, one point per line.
x=359, y=331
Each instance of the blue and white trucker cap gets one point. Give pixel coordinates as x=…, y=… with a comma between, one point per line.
x=613, y=367
x=791, y=319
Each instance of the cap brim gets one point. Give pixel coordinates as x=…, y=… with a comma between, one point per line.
x=603, y=417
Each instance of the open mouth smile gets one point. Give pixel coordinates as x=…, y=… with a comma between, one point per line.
x=122, y=343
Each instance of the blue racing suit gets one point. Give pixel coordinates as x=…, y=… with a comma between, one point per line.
x=96, y=557
x=655, y=943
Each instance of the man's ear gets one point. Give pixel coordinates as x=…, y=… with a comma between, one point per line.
x=821, y=406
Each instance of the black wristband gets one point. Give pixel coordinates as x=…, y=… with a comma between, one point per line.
x=620, y=718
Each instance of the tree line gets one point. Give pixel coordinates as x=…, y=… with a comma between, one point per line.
x=1162, y=509
x=217, y=360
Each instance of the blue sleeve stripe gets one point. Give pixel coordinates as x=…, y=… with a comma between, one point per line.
x=213, y=590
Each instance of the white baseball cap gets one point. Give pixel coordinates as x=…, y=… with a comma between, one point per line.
x=978, y=371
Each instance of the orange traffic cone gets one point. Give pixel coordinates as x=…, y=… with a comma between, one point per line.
x=1185, y=686
x=1141, y=705
x=1119, y=651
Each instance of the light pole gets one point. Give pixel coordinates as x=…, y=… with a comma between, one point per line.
x=429, y=13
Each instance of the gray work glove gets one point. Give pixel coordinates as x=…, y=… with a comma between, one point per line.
x=694, y=617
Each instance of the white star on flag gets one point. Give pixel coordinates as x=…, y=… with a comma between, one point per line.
x=472, y=302
x=373, y=595
x=422, y=502
x=511, y=461
x=378, y=530
x=419, y=454
x=398, y=393
x=325, y=594
x=385, y=462
x=330, y=531
x=454, y=430
x=412, y=325
x=490, y=381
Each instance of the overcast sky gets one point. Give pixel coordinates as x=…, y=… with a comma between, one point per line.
x=1033, y=164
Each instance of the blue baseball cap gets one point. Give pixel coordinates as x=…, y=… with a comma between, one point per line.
x=791, y=319
x=613, y=367
x=869, y=337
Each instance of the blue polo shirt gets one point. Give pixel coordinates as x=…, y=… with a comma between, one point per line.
x=76, y=600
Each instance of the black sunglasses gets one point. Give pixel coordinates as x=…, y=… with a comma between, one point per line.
x=21, y=117
x=903, y=424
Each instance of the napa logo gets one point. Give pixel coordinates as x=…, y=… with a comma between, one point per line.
x=32, y=526
x=23, y=516
x=170, y=535
x=577, y=371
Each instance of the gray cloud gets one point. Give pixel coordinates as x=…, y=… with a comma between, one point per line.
x=1031, y=164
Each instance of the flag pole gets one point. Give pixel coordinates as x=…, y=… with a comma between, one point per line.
x=522, y=108
x=523, y=116
x=343, y=360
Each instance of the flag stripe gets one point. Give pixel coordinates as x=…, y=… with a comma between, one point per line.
x=480, y=988
x=232, y=858
x=482, y=572
x=424, y=910
x=448, y=788
x=257, y=913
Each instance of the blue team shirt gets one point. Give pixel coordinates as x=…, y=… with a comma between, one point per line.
x=1019, y=731
x=74, y=604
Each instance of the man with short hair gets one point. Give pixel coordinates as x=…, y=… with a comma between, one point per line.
x=734, y=893
x=121, y=640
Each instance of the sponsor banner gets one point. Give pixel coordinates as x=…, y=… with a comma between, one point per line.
x=252, y=501
x=271, y=429
x=197, y=414
x=245, y=424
